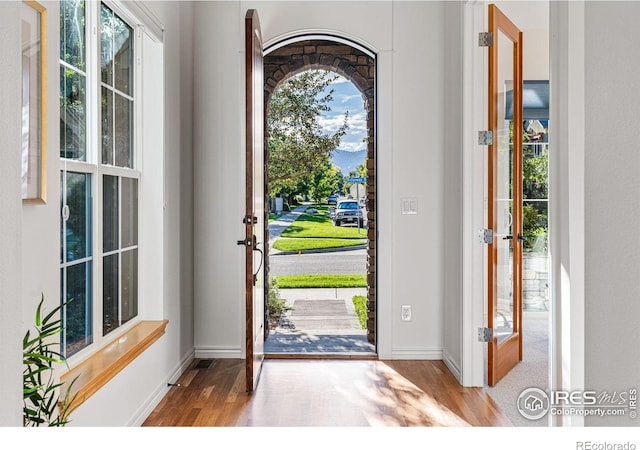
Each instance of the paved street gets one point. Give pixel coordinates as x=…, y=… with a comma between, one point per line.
x=341, y=262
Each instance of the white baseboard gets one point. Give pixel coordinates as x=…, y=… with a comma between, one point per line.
x=160, y=392
x=452, y=365
x=219, y=353
x=417, y=353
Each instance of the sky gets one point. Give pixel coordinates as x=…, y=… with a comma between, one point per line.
x=347, y=97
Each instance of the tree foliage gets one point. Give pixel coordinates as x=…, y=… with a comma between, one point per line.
x=298, y=146
x=325, y=181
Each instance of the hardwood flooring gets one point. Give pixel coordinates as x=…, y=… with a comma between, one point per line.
x=332, y=393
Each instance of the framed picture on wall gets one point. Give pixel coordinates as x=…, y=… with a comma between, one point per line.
x=34, y=102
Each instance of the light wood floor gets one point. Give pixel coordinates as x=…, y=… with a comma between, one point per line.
x=303, y=393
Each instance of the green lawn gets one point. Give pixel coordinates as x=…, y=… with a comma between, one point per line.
x=320, y=226
x=321, y=281
x=292, y=244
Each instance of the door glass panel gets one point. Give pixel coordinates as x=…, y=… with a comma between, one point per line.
x=535, y=212
x=504, y=313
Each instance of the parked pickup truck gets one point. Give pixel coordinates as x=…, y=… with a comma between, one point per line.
x=347, y=211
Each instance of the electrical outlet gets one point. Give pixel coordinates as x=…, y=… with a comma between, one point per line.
x=406, y=313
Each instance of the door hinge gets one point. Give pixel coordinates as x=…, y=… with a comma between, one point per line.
x=485, y=137
x=485, y=334
x=486, y=236
x=485, y=39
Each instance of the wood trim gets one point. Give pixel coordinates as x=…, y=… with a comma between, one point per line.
x=492, y=219
x=96, y=371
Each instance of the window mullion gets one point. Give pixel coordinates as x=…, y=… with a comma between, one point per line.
x=119, y=251
x=95, y=117
x=63, y=271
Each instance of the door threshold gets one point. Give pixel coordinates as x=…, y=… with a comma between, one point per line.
x=320, y=355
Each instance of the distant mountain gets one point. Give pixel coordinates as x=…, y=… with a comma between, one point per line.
x=348, y=161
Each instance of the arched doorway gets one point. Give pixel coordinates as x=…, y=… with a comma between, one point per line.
x=357, y=64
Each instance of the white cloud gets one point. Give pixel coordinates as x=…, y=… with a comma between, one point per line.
x=356, y=122
x=347, y=98
x=331, y=124
x=352, y=146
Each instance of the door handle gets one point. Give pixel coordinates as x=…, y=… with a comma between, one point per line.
x=246, y=242
x=508, y=237
x=255, y=275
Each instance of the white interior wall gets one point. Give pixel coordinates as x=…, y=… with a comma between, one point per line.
x=453, y=187
x=218, y=179
x=41, y=245
x=408, y=39
x=11, y=329
x=418, y=166
x=612, y=209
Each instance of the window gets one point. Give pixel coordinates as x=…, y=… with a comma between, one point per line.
x=99, y=182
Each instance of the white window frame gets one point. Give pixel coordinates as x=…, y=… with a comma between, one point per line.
x=94, y=167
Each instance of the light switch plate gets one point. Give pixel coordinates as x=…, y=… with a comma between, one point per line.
x=409, y=205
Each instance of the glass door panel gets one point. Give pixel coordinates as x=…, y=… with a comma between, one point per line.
x=503, y=319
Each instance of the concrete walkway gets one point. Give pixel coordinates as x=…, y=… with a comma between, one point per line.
x=319, y=321
x=282, y=223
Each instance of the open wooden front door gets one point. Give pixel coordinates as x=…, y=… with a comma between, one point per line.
x=504, y=196
x=254, y=213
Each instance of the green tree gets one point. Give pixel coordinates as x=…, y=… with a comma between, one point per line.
x=297, y=144
x=535, y=177
x=324, y=182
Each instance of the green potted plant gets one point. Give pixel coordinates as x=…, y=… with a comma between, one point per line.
x=43, y=402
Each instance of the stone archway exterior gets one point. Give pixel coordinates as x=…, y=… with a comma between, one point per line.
x=360, y=68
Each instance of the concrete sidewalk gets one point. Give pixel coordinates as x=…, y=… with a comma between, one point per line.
x=319, y=321
x=282, y=223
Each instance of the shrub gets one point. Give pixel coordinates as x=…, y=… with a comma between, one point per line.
x=277, y=305
x=360, y=303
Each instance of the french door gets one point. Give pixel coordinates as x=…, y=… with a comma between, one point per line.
x=504, y=196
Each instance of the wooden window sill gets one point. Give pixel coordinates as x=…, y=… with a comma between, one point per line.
x=101, y=367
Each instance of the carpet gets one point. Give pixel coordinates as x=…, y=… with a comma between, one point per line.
x=532, y=371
